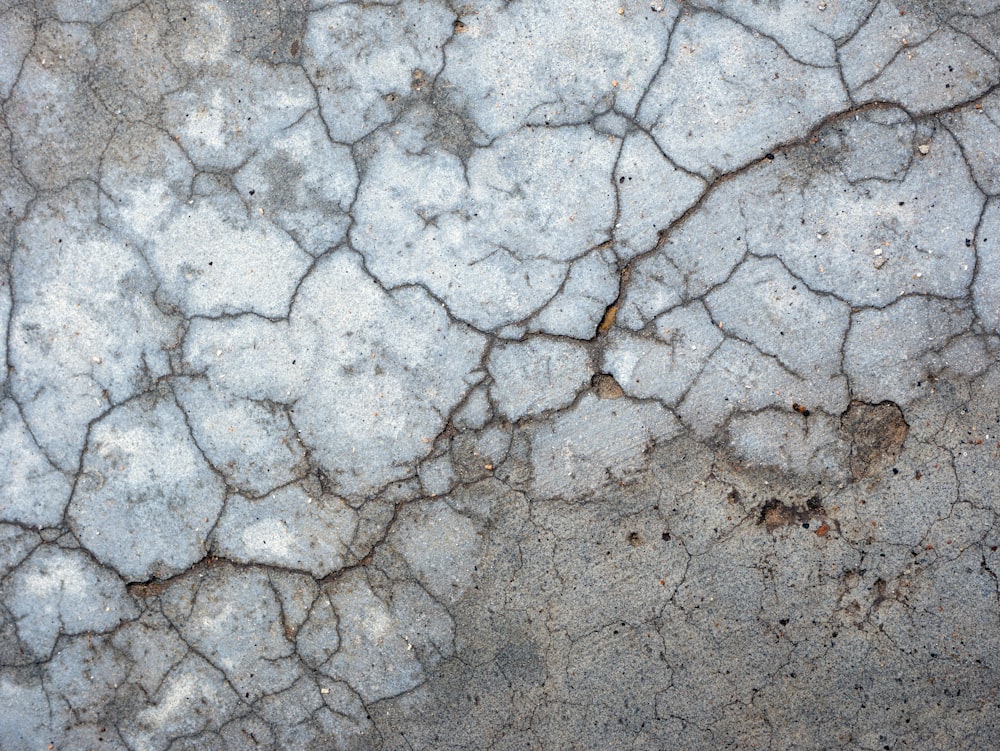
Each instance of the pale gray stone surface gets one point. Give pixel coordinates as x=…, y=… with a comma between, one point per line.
x=501, y=375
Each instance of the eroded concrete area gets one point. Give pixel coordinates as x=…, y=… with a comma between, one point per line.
x=501, y=375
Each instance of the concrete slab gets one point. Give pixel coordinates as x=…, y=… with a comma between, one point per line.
x=509, y=375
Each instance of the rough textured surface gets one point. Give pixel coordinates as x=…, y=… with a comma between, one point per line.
x=504, y=375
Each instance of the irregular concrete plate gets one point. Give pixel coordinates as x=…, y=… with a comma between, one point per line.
x=535, y=375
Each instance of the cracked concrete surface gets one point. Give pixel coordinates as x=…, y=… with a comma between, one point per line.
x=505, y=375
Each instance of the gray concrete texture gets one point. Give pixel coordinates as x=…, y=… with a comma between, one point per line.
x=501, y=375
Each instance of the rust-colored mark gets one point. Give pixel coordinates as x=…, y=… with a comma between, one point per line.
x=145, y=590
x=606, y=386
x=877, y=433
x=824, y=528
x=609, y=318
x=612, y=311
x=295, y=48
x=774, y=513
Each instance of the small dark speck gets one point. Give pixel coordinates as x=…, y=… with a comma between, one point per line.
x=252, y=192
x=968, y=242
x=665, y=536
x=770, y=157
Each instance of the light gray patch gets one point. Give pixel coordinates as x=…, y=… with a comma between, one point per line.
x=493, y=239
x=698, y=255
x=440, y=546
x=288, y=528
x=577, y=309
x=51, y=89
x=33, y=490
x=56, y=592
x=158, y=493
x=917, y=328
x=193, y=698
x=437, y=476
x=652, y=194
x=665, y=365
x=15, y=43
x=877, y=145
x=318, y=639
x=27, y=715
x=134, y=67
x=524, y=376
x=793, y=441
x=251, y=443
x=82, y=679
x=986, y=285
x=145, y=177
x=223, y=116
x=762, y=303
x=234, y=618
x=378, y=655
x=975, y=127
x=879, y=39
x=697, y=108
x=303, y=183
x=334, y=351
x=85, y=332
x=739, y=378
x=869, y=242
x=360, y=57
x=942, y=70
x=583, y=61
x=210, y=260
x=598, y=443
x=15, y=545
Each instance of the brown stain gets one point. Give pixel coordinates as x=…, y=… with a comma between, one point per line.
x=877, y=433
x=611, y=313
x=606, y=387
x=775, y=513
x=609, y=318
x=145, y=590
